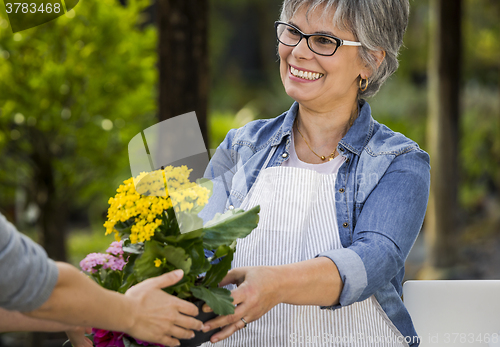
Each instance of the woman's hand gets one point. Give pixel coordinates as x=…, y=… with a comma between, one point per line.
x=158, y=316
x=257, y=293
x=77, y=336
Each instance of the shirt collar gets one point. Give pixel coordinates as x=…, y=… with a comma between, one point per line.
x=356, y=138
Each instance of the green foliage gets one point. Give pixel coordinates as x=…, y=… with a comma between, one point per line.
x=169, y=250
x=479, y=147
x=227, y=227
x=217, y=298
x=73, y=92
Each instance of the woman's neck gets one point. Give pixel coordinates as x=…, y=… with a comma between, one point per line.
x=326, y=129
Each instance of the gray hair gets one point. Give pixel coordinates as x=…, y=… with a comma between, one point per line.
x=377, y=24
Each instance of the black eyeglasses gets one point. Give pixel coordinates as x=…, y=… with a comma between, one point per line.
x=321, y=44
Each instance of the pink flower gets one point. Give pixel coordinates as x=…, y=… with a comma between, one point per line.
x=106, y=338
x=92, y=260
x=115, y=263
x=115, y=248
x=107, y=261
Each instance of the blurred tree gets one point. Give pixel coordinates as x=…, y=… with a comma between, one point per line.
x=73, y=92
x=444, y=76
x=183, y=59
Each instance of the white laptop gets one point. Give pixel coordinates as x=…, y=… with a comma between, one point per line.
x=455, y=313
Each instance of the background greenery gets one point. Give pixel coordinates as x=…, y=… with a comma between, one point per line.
x=82, y=86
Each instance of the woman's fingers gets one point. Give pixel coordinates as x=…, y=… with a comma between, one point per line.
x=222, y=321
x=227, y=331
x=180, y=333
x=187, y=322
x=169, y=341
x=185, y=307
x=235, y=276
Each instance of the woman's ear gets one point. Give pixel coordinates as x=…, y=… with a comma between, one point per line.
x=379, y=58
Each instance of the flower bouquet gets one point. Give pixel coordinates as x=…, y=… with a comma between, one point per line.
x=154, y=218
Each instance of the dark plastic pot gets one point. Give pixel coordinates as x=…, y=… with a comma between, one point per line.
x=199, y=336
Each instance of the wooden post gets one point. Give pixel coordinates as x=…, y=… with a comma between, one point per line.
x=183, y=59
x=444, y=89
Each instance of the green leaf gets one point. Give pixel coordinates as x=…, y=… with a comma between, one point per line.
x=131, y=280
x=112, y=280
x=187, y=236
x=123, y=226
x=177, y=257
x=200, y=262
x=145, y=268
x=144, y=265
x=134, y=248
x=188, y=222
x=219, y=299
x=222, y=251
x=218, y=271
x=226, y=228
x=129, y=267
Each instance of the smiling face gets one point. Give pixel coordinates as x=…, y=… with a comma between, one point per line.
x=320, y=82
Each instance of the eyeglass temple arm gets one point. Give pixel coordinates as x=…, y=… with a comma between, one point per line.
x=350, y=43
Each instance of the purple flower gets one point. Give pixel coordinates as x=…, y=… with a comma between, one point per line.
x=115, y=264
x=106, y=338
x=94, y=259
x=115, y=248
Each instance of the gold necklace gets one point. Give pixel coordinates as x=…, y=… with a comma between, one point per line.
x=322, y=157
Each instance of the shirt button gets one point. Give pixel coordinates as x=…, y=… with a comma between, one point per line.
x=345, y=225
x=341, y=149
x=284, y=155
x=341, y=190
x=347, y=160
x=231, y=207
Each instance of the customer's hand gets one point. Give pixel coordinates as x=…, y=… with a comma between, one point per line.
x=77, y=337
x=256, y=294
x=158, y=316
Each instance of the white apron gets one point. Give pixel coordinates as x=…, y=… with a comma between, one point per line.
x=297, y=222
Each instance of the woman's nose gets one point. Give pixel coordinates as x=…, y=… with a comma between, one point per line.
x=302, y=51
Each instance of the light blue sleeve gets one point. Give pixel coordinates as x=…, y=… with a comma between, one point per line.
x=28, y=275
x=386, y=229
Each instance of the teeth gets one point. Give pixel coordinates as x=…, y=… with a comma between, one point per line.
x=305, y=74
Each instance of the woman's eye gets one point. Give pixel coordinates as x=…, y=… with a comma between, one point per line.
x=293, y=32
x=322, y=40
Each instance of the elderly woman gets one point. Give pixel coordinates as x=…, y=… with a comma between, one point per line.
x=342, y=196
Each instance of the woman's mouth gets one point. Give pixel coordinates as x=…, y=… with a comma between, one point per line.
x=307, y=75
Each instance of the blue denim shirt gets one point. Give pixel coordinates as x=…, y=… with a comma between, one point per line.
x=381, y=192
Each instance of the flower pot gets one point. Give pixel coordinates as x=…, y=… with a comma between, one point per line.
x=199, y=336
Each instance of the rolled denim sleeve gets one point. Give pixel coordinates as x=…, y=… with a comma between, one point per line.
x=386, y=228
x=28, y=275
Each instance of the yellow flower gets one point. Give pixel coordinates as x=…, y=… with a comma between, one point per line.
x=157, y=262
x=145, y=209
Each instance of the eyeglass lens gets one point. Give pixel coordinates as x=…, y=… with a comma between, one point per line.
x=319, y=44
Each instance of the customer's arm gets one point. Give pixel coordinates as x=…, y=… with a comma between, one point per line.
x=145, y=311
x=16, y=321
x=33, y=284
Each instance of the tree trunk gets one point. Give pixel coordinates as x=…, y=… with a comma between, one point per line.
x=444, y=78
x=52, y=221
x=183, y=59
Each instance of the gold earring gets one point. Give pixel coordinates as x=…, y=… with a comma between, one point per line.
x=360, y=84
